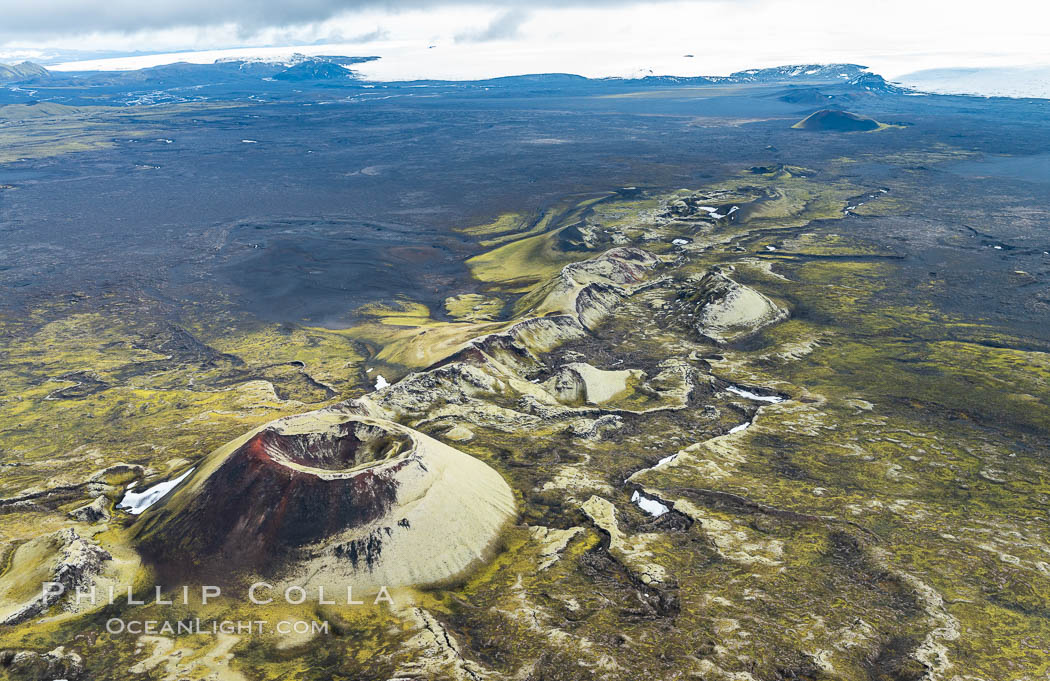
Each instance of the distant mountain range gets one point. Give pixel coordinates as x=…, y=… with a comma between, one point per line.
x=1004, y=82
x=295, y=68
x=301, y=68
x=805, y=73
x=17, y=73
x=806, y=78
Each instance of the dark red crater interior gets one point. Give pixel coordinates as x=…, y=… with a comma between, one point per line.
x=254, y=509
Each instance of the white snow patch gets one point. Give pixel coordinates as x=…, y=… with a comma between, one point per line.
x=680, y=242
x=661, y=462
x=381, y=382
x=650, y=506
x=137, y=502
x=754, y=396
x=742, y=426
x=666, y=459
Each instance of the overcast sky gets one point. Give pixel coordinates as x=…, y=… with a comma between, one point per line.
x=588, y=37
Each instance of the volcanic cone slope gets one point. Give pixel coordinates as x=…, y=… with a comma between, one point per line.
x=331, y=498
x=828, y=120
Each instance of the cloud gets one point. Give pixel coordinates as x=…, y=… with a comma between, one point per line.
x=55, y=18
x=507, y=25
x=370, y=36
x=477, y=38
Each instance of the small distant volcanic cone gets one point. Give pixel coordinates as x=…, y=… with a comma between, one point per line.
x=334, y=498
x=829, y=120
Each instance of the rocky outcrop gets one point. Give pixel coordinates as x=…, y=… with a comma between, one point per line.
x=706, y=207
x=96, y=511
x=30, y=665
x=724, y=311
x=593, y=429
x=63, y=557
x=588, y=290
x=581, y=383
x=118, y=474
x=488, y=381
x=331, y=498
x=104, y=482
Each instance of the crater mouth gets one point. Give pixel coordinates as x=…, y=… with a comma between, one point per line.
x=347, y=446
x=329, y=496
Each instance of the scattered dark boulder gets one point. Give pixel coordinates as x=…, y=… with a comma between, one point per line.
x=96, y=511
x=118, y=474
x=34, y=666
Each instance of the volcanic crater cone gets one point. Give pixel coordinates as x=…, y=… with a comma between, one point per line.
x=330, y=498
x=830, y=120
